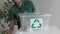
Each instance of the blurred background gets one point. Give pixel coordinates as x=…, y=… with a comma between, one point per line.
x=46, y=6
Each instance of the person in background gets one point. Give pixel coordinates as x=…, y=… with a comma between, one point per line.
x=20, y=6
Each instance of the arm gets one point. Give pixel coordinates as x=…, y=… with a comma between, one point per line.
x=30, y=6
x=11, y=19
x=11, y=25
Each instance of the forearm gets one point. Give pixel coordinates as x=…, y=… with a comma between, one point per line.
x=11, y=25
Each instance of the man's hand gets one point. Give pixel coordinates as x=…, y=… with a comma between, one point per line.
x=8, y=32
x=11, y=26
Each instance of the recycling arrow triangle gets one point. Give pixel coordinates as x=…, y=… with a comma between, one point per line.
x=36, y=21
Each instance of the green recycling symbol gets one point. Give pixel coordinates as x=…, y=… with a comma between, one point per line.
x=39, y=24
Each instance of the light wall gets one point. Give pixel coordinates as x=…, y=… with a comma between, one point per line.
x=51, y=7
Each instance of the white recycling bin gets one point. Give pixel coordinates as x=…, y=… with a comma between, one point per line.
x=32, y=22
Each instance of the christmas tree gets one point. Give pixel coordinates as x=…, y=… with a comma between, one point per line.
x=6, y=7
x=4, y=16
x=4, y=11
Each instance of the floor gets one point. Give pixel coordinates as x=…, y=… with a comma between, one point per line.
x=46, y=30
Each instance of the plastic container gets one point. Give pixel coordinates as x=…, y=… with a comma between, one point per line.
x=27, y=20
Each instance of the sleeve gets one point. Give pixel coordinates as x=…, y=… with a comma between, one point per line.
x=11, y=14
x=33, y=7
x=30, y=7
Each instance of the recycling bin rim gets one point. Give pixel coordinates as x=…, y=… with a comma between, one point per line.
x=30, y=14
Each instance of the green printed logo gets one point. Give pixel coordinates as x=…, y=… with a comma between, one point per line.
x=36, y=23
